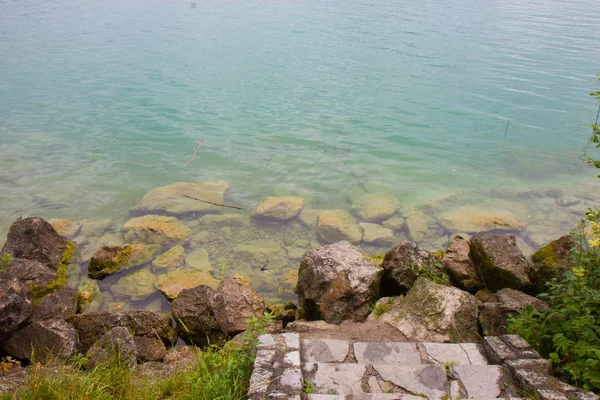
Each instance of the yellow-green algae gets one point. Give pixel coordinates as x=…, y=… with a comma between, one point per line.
x=101, y=268
x=38, y=291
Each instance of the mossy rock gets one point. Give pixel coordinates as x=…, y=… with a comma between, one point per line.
x=111, y=259
x=38, y=292
x=550, y=262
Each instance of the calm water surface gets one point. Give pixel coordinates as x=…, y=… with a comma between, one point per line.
x=101, y=102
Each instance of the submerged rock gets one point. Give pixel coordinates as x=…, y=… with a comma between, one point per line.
x=501, y=305
x=394, y=223
x=94, y=325
x=172, y=283
x=377, y=235
x=310, y=217
x=338, y=225
x=15, y=307
x=156, y=229
x=46, y=340
x=137, y=285
x=404, y=264
x=169, y=260
x=335, y=282
x=470, y=219
x=194, y=311
x=551, y=261
x=172, y=198
x=198, y=259
x=211, y=221
x=262, y=253
x=288, y=283
x=499, y=261
x=66, y=227
x=375, y=207
x=435, y=313
x=279, y=208
x=418, y=226
x=457, y=262
x=237, y=303
x=111, y=259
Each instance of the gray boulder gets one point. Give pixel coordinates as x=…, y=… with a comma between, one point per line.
x=149, y=349
x=457, y=262
x=506, y=302
x=47, y=339
x=15, y=308
x=92, y=326
x=194, y=312
x=404, y=263
x=116, y=345
x=32, y=273
x=499, y=262
x=61, y=304
x=335, y=283
x=237, y=302
x=551, y=261
x=435, y=313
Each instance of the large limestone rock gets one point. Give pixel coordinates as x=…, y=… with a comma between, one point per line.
x=35, y=239
x=457, y=262
x=499, y=261
x=337, y=225
x=169, y=260
x=237, y=302
x=172, y=198
x=45, y=339
x=279, y=208
x=172, y=283
x=469, y=219
x=377, y=235
x=503, y=304
x=404, y=264
x=551, y=261
x=375, y=207
x=15, y=307
x=137, y=285
x=194, y=312
x=92, y=326
x=66, y=227
x=111, y=259
x=116, y=344
x=156, y=229
x=335, y=282
x=435, y=313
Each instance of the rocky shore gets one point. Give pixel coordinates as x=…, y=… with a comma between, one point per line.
x=63, y=283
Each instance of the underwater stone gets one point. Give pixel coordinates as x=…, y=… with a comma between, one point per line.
x=470, y=219
x=377, y=235
x=111, y=259
x=65, y=227
x=170, y=259
x=394, y=223
x=338, y=225
x=172, y=283
x=172, y=198
x=262, y=253
x=156, y=229
x=199, y=260
x=279, y=208
x=138, y=285
x=418, y=226
x=375, y=207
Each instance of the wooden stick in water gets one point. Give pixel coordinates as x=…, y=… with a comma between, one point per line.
x=210, y=202
x=194, y=155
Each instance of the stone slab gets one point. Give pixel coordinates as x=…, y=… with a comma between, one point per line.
x=387, y=353
x=293, y=358
x=291, y=378
x=463, y=354
x=292, y=340
x=266, y=341
x=364, y=396
x=429, y=380
x=336, y=378
x=262, y=374
x=324, y=350
x=497, y=351
x=480, y=381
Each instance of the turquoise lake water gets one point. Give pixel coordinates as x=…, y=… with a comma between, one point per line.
x=100, y=102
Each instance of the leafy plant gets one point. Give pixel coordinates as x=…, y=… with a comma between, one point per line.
x=309, y=387
x=568, y=332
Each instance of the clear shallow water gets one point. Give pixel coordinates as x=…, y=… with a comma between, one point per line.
x=102, y=102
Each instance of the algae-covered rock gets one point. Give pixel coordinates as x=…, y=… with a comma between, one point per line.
x=66, y=227
x=279, y=208
x=262, y=253
x=338, y=225
x=435, y=313
x=174, y=198
x=551, y=261
x=172, y=283
x=499, y=262
x=169, y=260
x=470, y=219
x=32, y=273
x=335, y=282
x=457, y=262
x=236, y=304
x=137, y=285
x=111, y=259
x=198, y=259
x=375, y=207
x=156, y=229
x=377, y=235
x=404, y=263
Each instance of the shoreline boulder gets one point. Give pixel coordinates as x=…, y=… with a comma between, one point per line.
x=494, y=313
x=335, y=282
x=15, y=307
x=236, y=304
x=457, y=261
x=551, y=261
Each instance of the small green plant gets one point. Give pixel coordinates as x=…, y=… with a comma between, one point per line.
x=435, y=274
x=568, y=332
x=450, y=364
x=309, y=387
x=383, y=307
x=595, y=137
x=5, y=261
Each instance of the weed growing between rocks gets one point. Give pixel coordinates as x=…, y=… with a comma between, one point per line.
x=568, y=332
x=219, y=373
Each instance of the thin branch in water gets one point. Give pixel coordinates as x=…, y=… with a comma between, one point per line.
x=210, y=202
x=506, y=131
x=194, y=155
x=5, y=118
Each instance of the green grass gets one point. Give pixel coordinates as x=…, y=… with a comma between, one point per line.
x=220, y=373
